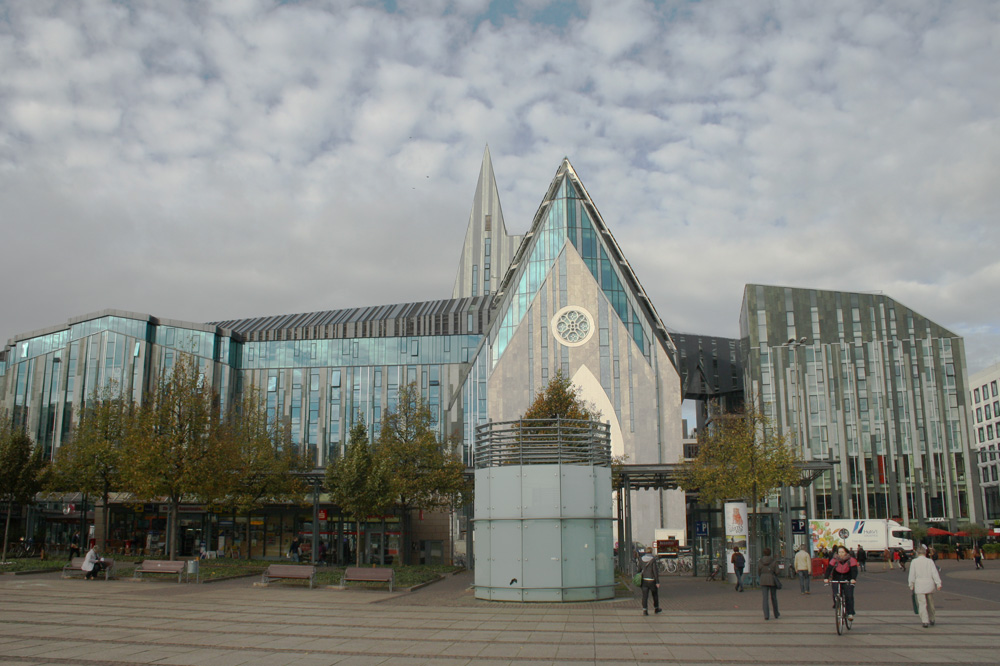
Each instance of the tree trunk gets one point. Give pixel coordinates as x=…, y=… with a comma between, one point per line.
x=404, y=536
x=357, y=542
x=246, y=537
x=381, y=546
x=6, y=530
x=107, y=519
x=172, y=528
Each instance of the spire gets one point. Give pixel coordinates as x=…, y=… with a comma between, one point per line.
x=488, y=249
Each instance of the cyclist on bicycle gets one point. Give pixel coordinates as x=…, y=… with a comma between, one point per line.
x=842, y=569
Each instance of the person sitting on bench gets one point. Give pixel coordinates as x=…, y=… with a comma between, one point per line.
x=93, y=564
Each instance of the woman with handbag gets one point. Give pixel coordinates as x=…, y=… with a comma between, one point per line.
x=767, y=572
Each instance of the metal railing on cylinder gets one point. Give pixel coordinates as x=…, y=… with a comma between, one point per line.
x=543, y=442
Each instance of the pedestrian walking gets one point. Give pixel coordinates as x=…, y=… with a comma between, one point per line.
x=923, y=579
x=767, y=572
x=739, y=563
x=803, y=567
x=650, y=582
x=977, y=555
x=862, y=557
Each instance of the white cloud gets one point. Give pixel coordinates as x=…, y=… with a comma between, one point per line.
x=245, y=158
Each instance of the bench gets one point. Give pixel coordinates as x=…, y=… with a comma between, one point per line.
x=160, y=566
x=76, y=566
x=369, y=575
x=292, y=571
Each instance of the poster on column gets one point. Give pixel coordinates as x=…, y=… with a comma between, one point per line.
x=735, y=517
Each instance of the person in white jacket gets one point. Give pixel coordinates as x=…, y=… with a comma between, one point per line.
x=93, y=564
x=923, y=579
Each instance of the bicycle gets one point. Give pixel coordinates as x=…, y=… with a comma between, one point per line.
x=841, y=618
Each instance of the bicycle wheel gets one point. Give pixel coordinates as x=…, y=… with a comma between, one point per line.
x=847, y=618
x=838, y=614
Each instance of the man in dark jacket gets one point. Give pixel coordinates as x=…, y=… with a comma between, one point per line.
x=650, y=582
x=739, y=562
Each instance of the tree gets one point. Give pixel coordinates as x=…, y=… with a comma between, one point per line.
x=92, y=460
x=561, y=399
x=740, y=455
x=174, y=450
x=262, y=461
x=426, y=473
x=21, y=470
x=360, y=482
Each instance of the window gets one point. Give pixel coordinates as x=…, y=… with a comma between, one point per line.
x=993, y=386
x=989, y=432
x=975, y=393
x=979, y=414
x=988, y=412
x=982, y=435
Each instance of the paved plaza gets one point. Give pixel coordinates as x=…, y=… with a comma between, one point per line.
x=45, y=619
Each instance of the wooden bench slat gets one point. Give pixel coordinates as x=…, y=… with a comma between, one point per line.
x=160, y=566
x=76, y=565
x=293, y=571
x=369, y=575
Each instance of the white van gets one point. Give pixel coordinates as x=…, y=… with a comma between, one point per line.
x=875, y=535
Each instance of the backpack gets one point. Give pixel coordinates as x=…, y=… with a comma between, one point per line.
x=739, y=561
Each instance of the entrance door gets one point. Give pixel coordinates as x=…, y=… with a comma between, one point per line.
x=374, y=546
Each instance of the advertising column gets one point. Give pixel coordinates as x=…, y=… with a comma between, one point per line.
x=735, y=515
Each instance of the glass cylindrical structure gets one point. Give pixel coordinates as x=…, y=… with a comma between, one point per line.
x=543, y=511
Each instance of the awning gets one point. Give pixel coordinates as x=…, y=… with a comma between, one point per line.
x=936, y=531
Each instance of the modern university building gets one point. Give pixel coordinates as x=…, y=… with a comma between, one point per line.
x=882, y=389
x=873, y=388
x=561, y=297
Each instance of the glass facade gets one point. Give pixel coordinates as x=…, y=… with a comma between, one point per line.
x=320, y=385
x=871, y=386
x=568, y=218
x=984, y=417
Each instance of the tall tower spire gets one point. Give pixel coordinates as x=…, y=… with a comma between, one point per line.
x=488, y=249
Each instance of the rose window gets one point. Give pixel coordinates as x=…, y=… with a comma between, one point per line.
x=572, y=326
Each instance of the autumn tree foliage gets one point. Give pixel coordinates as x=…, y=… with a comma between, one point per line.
x=740, y=456
x=360, y=482
x=175, y=448
x=560, y=399
x=263, y=464
x=94, y=459
x=21, y=469
x=427, y=473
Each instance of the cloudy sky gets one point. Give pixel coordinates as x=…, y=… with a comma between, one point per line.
x=205, y=161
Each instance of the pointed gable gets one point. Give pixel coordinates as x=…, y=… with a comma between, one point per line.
x=567, y=213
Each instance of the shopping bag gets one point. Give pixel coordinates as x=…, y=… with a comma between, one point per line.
x=637, y=579
x=916, y=606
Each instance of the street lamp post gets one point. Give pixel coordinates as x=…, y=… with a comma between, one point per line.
x=786, y=495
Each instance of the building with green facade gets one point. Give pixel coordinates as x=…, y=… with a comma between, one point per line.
x=869, y=385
